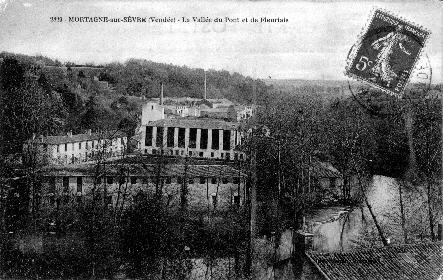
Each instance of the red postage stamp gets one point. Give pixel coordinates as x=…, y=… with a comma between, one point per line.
x=387, y=52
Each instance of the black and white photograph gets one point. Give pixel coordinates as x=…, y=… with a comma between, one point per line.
x=221, y=139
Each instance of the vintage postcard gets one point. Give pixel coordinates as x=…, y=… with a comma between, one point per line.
x=221, y=139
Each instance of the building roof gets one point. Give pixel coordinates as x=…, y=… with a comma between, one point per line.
x=206, y=123
x=411, y=261
x=150, y=169
x=218, y=109
x=322, y=169
x=214, y=114
x=243, y=107
x=170, y=111
x=220, y=101
x=61, y=139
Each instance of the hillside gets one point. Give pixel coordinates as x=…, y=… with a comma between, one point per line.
x=139, y=77
x=329, y=89
x=324, y=88
x=54, y=98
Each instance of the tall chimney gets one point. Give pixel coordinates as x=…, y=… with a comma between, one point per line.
x=204, y=94
x=161, y=95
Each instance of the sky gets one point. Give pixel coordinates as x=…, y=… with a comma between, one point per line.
x=312, y=44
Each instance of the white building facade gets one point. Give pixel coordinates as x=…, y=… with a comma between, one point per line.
x=195, y=137
x=152, y=111
x=72, y=149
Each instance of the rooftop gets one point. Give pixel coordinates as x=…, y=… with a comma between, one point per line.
x=142, y=166
x=410, y=261
x=61, y=139
x=189, y=100
x=219, y=109
x=224, y=101
x=205, y=123
x=322, y=169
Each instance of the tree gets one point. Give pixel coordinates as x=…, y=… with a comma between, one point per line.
x=25, y=107
x=90, y=117
x=428, y=145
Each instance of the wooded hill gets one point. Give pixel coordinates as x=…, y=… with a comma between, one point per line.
x=43, y=96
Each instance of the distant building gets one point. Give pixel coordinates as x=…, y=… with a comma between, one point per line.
x=210, y=186
x=195, y=137
x=211, y=108
x=233, y=112
x=239, y=113
x=326, y=176
x=152, y=111
x=216, y=113
x=193, y=102
x=70, y=149
x=174, y=111
x=216, y=103
x=318, y=182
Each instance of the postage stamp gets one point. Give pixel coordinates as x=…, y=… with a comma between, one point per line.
x=386, y=52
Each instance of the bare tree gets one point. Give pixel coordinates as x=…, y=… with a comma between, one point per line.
x=428, y=143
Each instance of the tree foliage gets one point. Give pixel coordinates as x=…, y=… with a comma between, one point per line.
x=43, y=97
x=27, y=105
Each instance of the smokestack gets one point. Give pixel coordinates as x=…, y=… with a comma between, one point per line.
x=204, y=94
x=161, y=95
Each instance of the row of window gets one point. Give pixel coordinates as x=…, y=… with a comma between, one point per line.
x=65, y=184
x=85, y=157
x=237, y=156
x=87, y=144
x=170, y=180
x=144, y=180
x=204, y=138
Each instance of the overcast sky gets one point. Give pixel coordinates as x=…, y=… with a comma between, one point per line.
x=313, y=44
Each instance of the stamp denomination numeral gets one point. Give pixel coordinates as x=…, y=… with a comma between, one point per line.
x=363, y=63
